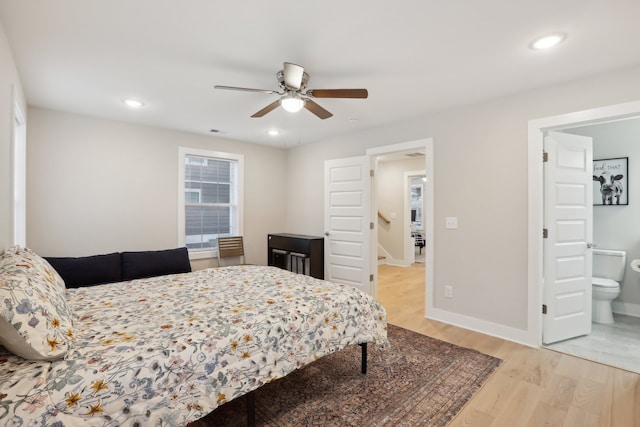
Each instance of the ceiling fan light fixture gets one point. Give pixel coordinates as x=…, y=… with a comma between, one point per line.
x=293, y=80
x=292, y=103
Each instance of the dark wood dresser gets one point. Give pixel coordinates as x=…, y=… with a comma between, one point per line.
x=297, y=253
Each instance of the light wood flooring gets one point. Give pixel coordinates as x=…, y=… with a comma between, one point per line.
x=532, y=387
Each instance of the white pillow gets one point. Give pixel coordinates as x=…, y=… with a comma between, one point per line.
x=35, y=320
x=41, y=263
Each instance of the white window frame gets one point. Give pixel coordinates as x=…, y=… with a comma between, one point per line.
x=239, y=159
x=194, y=191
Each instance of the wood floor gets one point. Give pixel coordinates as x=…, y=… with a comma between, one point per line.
x=532, y=387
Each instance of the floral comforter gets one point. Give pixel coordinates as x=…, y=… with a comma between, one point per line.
x=168, y=350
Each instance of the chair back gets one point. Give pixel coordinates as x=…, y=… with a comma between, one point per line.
x=230, y=247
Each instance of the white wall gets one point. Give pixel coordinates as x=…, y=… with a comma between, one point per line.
x=98, y=186
x=480, y=176
x=10, y=92
x=618, y=227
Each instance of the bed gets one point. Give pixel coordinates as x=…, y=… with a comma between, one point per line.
x=167, y=350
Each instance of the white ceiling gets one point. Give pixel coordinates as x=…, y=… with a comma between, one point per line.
x=414, y=56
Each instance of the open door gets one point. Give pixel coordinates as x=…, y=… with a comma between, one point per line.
x=568, y=219
x=347, y=220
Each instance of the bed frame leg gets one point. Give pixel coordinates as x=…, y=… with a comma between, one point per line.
x=364, y=358
x=251, y=409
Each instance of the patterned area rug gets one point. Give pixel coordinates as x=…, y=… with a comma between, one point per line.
x=415, y=381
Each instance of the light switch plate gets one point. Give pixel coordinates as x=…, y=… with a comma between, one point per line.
x=451, y=222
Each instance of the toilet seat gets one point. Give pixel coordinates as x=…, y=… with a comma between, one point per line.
x=604, y=283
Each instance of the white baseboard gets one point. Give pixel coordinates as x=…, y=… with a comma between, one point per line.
x=383, y=252
x=626, y=308
x=398, y=262
x=488, y=328
x=507, y=333
x=388, y=259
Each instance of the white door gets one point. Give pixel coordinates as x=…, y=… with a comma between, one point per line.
x=568, y=212
x=347, y=206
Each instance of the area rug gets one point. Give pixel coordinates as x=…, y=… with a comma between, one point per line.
x=415, y=381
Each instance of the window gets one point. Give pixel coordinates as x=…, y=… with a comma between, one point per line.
x=210, y=199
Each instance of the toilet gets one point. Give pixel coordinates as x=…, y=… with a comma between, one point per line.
x=608, y=272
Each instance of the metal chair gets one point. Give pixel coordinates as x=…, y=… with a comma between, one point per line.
x=230, y=247
x=419, y=240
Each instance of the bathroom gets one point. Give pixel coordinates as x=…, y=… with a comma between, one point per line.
x=615, y=227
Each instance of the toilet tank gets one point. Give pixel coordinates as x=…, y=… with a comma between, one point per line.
x=609, y=264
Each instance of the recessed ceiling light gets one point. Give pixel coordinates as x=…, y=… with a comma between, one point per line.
x=133, y=103
x=548, y=41
x=273, y=132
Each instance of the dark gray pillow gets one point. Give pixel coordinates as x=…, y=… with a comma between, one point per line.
x=89, y=270
x=138, y=265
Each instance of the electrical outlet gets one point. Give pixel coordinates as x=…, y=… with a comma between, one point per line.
x=448, y=291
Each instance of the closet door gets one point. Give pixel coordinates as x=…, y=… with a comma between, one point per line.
x=347, y=222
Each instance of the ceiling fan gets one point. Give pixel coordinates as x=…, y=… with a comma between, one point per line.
x=293, y=81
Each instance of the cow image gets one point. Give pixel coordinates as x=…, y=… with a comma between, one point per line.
x=610, y=187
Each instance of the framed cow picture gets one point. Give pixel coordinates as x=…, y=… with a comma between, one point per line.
x=611, y=181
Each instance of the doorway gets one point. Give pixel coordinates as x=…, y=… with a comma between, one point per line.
x=425, y=147
x=19, y=176
x=537, y=209
x=414, y=212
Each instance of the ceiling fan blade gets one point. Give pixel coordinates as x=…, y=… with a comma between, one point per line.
x=269, y=108
x=245, y=89
x=317, y=109
x=293, y=75
x=338, y=93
